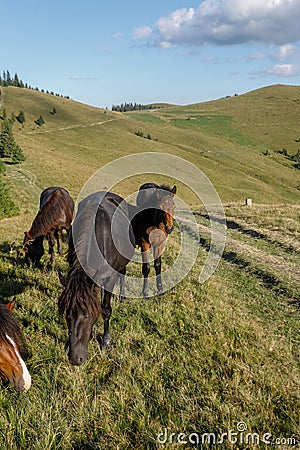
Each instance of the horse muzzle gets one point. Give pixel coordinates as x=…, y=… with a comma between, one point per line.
x=169, y=229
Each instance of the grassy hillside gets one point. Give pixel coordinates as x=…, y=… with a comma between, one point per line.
x=202, y=358
x=233, y=141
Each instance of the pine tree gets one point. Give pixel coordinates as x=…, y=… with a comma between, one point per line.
x=21, y=117
x=17, y=154
x=16, y=81
x=5, y=139
x=8, y=78
x=40, y=121
x=8, y=146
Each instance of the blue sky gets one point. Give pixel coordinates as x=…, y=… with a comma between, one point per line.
x=181, y=52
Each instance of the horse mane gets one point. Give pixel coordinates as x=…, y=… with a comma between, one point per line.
x=80, y=292
x=8, y=325
x=165, y=187
x=147, y=194
x=48, y=213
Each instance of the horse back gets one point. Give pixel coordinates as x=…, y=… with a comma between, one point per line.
x=102, y=234
x=59, y=205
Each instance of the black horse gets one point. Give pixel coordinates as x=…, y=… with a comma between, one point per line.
x=152, y=222
x=100, y=246
x=55, y=214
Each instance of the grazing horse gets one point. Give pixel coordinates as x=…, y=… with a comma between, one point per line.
x=12, y=366
x=55, y=214
x=151, y=224
x=101, y=244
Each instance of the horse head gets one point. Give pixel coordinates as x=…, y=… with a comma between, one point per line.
x=166, y=203
x=33, y=248
x=80, y=312
x=12, y=366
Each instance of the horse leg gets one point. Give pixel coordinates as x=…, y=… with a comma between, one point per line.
x=122, y=274
x=106, y=313
x=58, y=235
x=157, y=266
x=145, y=247
x=106, y=310
x=50, y=237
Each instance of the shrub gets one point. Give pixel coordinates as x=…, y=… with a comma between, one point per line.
x=40, y=121
x=21, y=117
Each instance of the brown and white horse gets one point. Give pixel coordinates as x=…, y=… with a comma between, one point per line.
x=12, y=366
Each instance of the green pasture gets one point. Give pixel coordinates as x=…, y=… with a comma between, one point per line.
x=200, y=359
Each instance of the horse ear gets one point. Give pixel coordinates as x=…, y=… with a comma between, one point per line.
x=27, y=237
x=11, y=305
x=62, y=279
x=174, y=190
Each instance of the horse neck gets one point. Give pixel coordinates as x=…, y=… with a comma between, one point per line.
x=144, y=219
x=39, y=227
x=154, y=217
x=80, y=292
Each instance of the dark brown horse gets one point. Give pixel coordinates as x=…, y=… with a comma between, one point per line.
x=55, y=214
x=100, y=246
x=12, y=366
x=152, y=222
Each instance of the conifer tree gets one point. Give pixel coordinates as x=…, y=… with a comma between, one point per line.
x=40, y=121
x=21, y=117
x=8, y=146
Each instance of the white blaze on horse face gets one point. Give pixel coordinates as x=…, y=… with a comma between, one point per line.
x=26, y=374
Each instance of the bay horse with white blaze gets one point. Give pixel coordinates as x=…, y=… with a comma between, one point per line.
x=101, y=243
x=12, y=366
x=55, y=214
x=152, y=223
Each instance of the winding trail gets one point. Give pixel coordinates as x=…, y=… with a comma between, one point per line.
x=257, y=259
x=70, y=127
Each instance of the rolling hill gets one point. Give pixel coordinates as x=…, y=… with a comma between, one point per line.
x=234, y=141
x=203, y=360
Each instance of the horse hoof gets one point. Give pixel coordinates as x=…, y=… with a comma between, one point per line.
x=105, y=344
x=145, y=294
x=160, y=290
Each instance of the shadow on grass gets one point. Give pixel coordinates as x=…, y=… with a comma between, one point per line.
x=254, y=234
x=11, y=286
x=268, y=280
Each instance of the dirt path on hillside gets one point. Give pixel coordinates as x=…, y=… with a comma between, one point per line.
x=73, y=127
x=260, y=260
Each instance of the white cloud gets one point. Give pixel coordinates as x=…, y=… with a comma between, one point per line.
x=165, y=44
x=284, y=52
x=142, y=33
x=117, y=35
x=282, y=70
x=226, y=22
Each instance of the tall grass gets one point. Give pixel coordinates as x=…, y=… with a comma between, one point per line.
x=199, y=359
